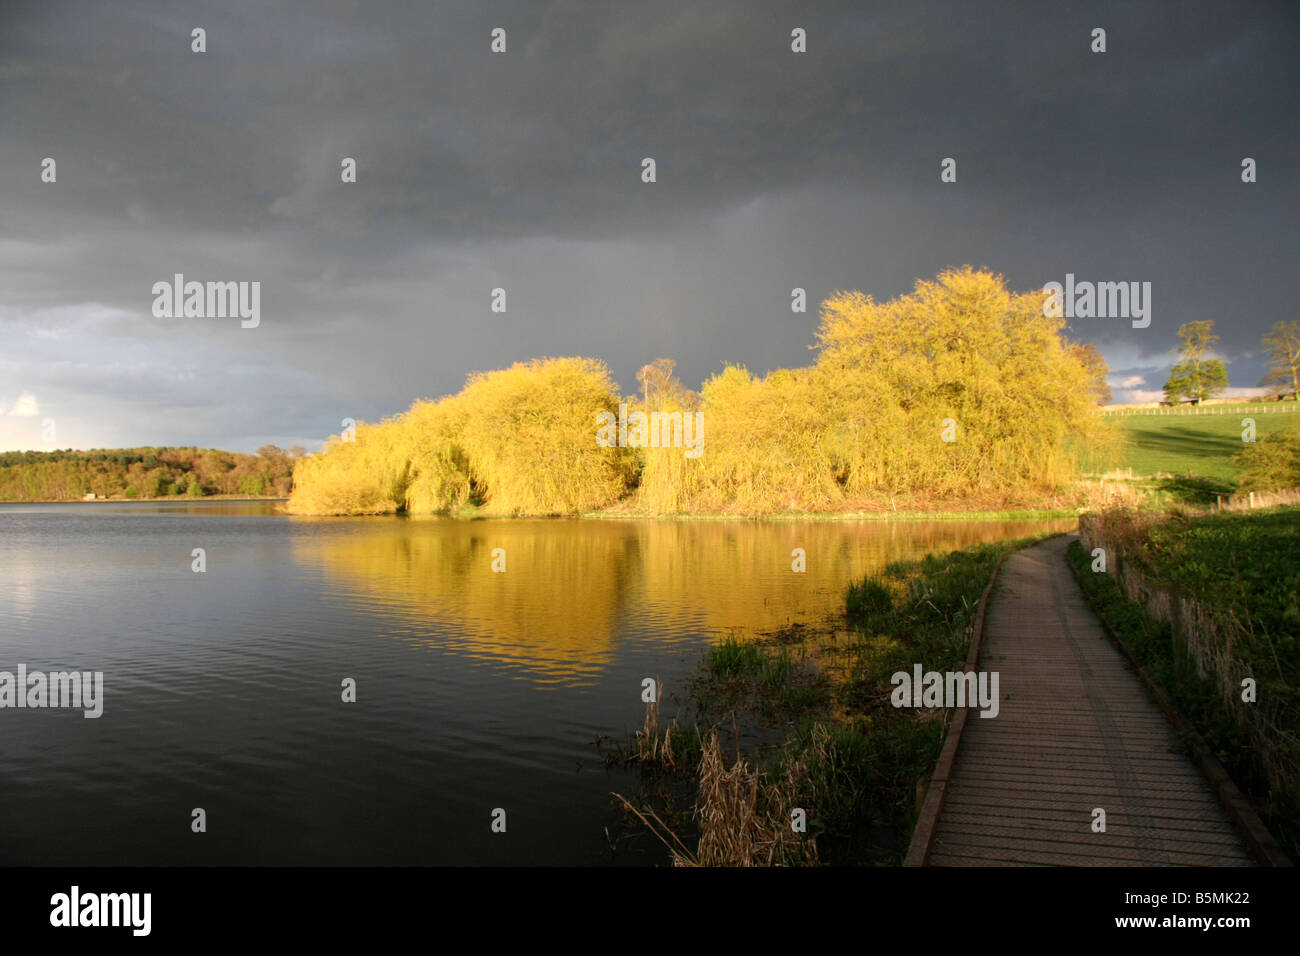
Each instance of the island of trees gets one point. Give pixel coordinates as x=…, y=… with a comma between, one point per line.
x=960, y=396
x=960, y=393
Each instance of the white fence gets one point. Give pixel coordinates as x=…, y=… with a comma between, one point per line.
x=1272, y=408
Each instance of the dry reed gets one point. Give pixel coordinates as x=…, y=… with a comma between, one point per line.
x=745, y=815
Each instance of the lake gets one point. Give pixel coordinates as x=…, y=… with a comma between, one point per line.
x=475, y=689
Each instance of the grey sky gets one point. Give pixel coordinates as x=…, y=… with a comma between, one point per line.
x=522, y=170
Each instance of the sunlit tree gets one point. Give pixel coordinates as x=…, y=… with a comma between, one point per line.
x=1283, y=344
x=1091, y=358
x=1196, y=375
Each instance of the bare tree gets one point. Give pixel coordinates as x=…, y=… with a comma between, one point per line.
x=656, y=377
x=1284, y=344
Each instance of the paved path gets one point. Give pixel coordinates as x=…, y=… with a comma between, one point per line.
x=1076, y=730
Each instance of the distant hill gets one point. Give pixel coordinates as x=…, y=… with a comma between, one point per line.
x=70, y=475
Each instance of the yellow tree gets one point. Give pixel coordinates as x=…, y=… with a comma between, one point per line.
x=1090, y=357
x=959, y=386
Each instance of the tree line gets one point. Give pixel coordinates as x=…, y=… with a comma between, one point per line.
x=1197, y=375
x=960, y=391
x=66, y=474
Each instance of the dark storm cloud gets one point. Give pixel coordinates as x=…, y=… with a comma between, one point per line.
x=522, y=170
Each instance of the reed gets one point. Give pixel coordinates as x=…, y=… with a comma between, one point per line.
x=744, y=815
x=852, y=761
x=652, y=747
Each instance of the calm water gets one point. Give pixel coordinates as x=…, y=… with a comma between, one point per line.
x=475, y=690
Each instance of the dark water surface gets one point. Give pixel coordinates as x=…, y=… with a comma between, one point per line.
x=475, y=690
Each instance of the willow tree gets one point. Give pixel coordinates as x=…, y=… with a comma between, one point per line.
x=520, y=440
x=440, y=474
x=957, y=389
x=529, y=435
x=762, y=449
x=364, y=472
x=961, y=386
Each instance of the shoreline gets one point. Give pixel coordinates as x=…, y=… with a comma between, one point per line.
x=813, y=698
x=1010, y=514
x=119, y=501
x=1016, y=514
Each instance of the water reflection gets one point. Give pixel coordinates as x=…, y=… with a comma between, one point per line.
x=573, y=590
x=227, y=683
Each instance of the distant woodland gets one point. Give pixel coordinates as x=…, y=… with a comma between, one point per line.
x=145, y=473
x=962, y=391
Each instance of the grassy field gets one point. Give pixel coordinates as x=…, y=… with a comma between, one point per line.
x=1201, y=444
